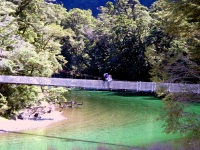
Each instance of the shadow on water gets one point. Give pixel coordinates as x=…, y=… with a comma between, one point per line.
x=151, y=96
x=74, y=140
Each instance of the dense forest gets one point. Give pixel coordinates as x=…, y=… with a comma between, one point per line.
x=126, y=39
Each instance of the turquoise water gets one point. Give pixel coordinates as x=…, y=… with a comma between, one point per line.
x=106, y=120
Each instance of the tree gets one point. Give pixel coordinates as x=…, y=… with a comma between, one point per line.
x=30, y=30
x=77, y=44
x=113, y=42
x=174, y=58
x=184, y=21
x=121, y=34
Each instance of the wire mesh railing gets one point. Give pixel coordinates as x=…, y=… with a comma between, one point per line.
x=100, y=84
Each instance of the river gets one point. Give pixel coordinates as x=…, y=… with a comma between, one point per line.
x=106, y=120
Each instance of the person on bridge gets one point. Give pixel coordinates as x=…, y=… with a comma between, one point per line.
x=109, y=79
x=105, y=76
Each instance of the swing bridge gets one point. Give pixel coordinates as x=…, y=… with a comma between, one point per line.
x=100, y=84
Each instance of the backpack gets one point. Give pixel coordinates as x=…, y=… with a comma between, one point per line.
x=106, y=75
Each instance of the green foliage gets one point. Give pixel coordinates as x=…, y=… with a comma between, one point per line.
x=114, y=42
x=167, y=52
x=27, y=36
x=7, y=7
x=172, y=51
x=55, y=94
x=122, y=33
x=183, y=20
x=30, y=34
x=3, y=104
x=179, y=117
x=184, y=17
x=16, y=97
x=80, y=24
x=42, y=31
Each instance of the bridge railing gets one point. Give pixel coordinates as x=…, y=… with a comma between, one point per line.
x=100, y=84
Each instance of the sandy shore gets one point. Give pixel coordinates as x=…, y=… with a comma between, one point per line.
x=20, y=125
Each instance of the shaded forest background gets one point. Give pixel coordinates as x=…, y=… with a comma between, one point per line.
x=136, y=70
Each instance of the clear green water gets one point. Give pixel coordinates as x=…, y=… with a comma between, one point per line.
x=111, y=120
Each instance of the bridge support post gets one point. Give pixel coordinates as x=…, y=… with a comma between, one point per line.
x=153, y=88
x=138, y=86
x=169, y=87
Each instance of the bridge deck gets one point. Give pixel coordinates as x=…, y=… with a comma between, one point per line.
x=99, y=84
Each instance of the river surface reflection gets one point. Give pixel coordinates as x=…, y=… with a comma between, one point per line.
x=106, y=120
